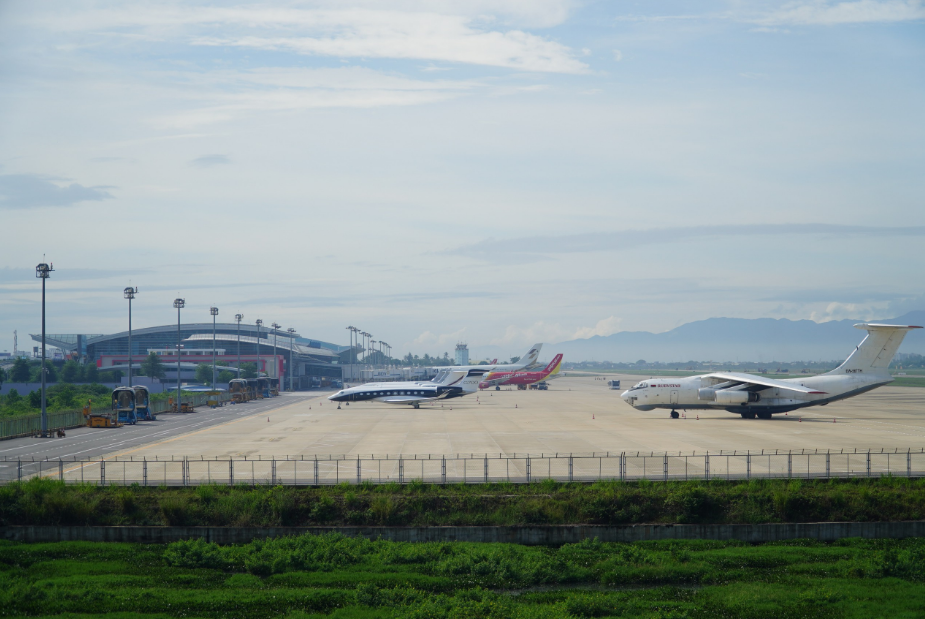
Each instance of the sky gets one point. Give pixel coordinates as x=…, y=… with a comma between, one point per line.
x=499, y=173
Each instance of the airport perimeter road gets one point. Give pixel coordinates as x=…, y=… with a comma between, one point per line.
x=82, y=443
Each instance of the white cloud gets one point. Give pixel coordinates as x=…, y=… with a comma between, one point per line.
x=862, y=11
x=617, y=55
x=428, y=339
x=605, y=327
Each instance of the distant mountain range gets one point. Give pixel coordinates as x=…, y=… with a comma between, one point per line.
x=731, y=339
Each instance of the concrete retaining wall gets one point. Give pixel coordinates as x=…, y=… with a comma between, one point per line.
x=528, y=535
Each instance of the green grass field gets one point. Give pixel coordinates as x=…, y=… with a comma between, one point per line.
x=47, y=502
x=335, y=576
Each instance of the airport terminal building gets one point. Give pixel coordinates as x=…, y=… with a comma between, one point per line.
x=277, y=353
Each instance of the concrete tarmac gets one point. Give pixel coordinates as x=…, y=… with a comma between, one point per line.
x=84, y=443
x=577, y=415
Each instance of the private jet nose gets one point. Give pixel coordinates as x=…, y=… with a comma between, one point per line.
x=337, y=397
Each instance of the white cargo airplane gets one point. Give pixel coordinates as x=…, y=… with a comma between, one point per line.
x=447, y=384
x=753, y=396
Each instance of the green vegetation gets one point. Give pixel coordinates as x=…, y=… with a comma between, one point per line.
x=248, y=370
x=204, y=373
x=48, y=502
x=59, y=397
x=152, y=366
x=335, y=576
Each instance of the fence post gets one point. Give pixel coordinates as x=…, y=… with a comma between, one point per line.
x=528, y=469
x=486, y=469
x=316, y=471
x=665, y=468
x=706, y=466
x=909, y=463
x=230, y=472
x=359, y=473
x=443, y=469
x=60, y=470
x=789, y=465
x=144, y=472
x=621, y=466
x=401, y=471
x=19, y=470
x=868, y=463
x=828, y=469
x=570, y=467
x=273, y=471
x=102, y=472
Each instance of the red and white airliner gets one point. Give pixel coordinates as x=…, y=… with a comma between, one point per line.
x=495, y=379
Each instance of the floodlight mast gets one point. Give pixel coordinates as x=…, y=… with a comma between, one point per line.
x=276, y=327
x=42, y=272
x=238, y=318
x=129, y=293
x=179, y=304
x=258, y=322
x=291, y=331
x=214, y=312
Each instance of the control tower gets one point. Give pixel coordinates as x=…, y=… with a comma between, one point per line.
x=462, y=354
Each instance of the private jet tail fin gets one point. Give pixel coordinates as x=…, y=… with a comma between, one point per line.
x=531, y=356
x=876, y=351
x=470, y=383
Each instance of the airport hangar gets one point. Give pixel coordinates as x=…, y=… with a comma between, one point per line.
x=315, y=363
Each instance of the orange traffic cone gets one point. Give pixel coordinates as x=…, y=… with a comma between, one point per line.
x=592, y=415
x=698, y=417
x=801, y=420
x=833, y=419
x=268, y=420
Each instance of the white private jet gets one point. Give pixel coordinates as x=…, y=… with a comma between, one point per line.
x=753, y=396
x=446, y=385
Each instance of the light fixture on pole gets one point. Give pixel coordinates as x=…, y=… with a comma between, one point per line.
x=238, y=318
x=276, y=327
x=291, y=331
x=42, y=271
x=214, y=312
x=179, y=304
x=129, y=293
x=259, y=322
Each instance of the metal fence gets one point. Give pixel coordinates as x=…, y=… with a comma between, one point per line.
x=27, y=425
x=474, y=468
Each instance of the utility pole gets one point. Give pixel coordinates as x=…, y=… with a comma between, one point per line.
x=290, y=330
x=276, y=327
x=179, y=304
x=238, y=318
x=129, y=293
x=42, y=271
x=214, y=312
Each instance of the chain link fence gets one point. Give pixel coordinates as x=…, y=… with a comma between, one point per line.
x=474, y=468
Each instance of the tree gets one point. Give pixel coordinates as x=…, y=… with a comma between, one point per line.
x=248, y=370
x=204, y=373
x=70, y=372
x=91, y=373
x=20, y=372
x=2, y=376
x=13, y=398
x=225, y=375
x=515, y=359
x=65, y=396
x=35, y=399
x=51, y=373
x=152, y=366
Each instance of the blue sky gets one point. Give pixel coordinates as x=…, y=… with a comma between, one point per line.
x=496, y=172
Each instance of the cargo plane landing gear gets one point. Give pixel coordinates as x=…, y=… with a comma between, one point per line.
x=675, y=415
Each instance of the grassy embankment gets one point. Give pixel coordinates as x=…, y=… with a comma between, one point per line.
x=334, y=576
x=46, y=502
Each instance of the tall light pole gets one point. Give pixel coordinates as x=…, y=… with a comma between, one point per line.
x=179, y=304
x=129, y=293
x=214, y=312
x=259, y=322
x=276, y=327
x=372, y=344
x=42, y=271
x=238, y=318
x=290, y=330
